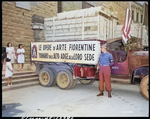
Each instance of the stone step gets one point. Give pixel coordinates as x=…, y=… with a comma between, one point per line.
x=21, y=76
x=21, y=85
x=19, y=81
x=20, y=72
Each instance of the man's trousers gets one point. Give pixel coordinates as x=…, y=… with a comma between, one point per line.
x=104, y=75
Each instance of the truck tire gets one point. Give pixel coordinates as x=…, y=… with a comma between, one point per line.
x=64, y=79
x=74, y=83
x=46, y=77
x=55, y=75
x=144, y=87
x=86, y=82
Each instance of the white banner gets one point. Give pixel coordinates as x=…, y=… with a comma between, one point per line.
x=80, y=52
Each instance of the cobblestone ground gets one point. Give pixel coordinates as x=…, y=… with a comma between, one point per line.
x=81, y=101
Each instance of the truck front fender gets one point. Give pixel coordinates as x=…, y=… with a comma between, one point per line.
x=141, y=71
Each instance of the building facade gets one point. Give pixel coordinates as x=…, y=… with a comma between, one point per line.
x=116, y=9
x=17, y=19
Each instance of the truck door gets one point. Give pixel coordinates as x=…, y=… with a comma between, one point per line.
x=121, y=68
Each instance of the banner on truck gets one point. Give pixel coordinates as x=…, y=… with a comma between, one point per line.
x=80, y=52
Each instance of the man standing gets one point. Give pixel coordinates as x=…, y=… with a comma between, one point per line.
x=104, y=62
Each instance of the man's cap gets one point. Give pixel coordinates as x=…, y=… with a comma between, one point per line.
x=104, y=46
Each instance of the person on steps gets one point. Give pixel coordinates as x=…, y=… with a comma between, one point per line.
x=9, y=72
x=21, y=59
x=10, y=53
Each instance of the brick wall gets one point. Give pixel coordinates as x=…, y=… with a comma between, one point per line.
x=16, y=23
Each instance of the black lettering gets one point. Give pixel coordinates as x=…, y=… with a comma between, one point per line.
x=51, y=57
x=56, y=55
x=90, y=47
x=82, y=47
x=64, y=55
x=70, y=46
x=89, y=57
x=40, y=46
x=61, y=47
x=77, y=57
x=53, y=47
x=46, y=47
x=43, y=55
x=93, y=47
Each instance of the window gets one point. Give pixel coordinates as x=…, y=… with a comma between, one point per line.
x=141, y=18
x=34, y=3
x=132, y=15
x=59, y=7
x=86, y=5
x=24, y=5
x=137, y=17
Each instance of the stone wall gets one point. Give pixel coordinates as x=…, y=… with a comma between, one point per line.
x=16, y=23
x=117, y=8
x=69, y=6
x=113, y=8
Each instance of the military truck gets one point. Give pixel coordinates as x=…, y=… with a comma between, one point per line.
x=65, y=63
x=62, y=60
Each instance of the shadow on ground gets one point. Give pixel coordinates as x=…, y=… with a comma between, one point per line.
x=10, y=110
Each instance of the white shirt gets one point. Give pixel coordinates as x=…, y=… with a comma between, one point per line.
x=8, y=72
x=21, y=58
x=10, y=50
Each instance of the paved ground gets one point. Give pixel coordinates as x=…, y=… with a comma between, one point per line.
x=81, y=101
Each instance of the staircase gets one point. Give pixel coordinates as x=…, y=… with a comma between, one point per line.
x=20, y=79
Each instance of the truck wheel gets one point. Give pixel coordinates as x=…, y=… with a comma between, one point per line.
x=46, y=77
x=86, y=82
x=55, y=74
x=144, y=87
x=64, y=79
x=74, y=83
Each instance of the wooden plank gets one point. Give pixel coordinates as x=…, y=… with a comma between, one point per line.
x=98, y=26
x=108, y=27
x=71, y=37
x=71, y=26
x=72, y=21
x=53, y=29
x=104, y=30
x=73, y=33
x=111, y=29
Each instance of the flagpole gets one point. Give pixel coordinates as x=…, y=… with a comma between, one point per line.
x=130, y=10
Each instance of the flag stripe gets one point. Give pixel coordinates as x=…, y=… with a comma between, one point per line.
x=126, y=30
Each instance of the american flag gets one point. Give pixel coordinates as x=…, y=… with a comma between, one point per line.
x=126, y=35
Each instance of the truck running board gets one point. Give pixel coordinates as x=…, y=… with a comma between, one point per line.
x=121, y=80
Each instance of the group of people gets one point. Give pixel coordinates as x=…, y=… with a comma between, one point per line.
x=11, y=57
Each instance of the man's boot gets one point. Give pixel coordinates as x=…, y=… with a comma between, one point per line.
x=101, y=93
x=109, y=94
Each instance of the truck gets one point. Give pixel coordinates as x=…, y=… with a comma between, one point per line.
x=65, y=63
x=72, y=47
